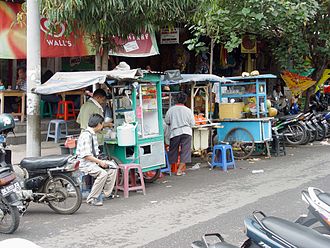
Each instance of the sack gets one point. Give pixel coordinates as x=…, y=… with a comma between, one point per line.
x=172, y=75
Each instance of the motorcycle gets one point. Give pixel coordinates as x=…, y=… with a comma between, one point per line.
x=318, y=210
x=50, y=179
x=271, y=232
x=10, y=190
x=290, y=126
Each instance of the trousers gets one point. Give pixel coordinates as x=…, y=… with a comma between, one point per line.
x=105, y=180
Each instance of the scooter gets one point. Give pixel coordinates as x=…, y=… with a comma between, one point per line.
x=318, y=210
x=271, y=232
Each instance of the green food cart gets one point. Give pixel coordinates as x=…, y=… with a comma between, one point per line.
x=137, y=115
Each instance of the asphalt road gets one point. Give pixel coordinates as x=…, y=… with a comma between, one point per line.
x=178, y=210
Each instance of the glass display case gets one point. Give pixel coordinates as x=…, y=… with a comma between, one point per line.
x=147, y=111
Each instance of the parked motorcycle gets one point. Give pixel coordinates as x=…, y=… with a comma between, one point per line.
x=271, y=232
x=290, y=126
x=10, y=190
x=318, y=210
x=49, y=179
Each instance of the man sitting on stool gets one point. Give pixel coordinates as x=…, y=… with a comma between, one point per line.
x=87, y=152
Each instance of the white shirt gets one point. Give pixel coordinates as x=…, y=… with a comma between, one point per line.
x=277, y=95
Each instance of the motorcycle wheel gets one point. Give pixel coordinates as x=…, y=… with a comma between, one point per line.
x=313, y=136
x=321, y=134
x=307, y=138
x=65, y=197
x=298, y=136
x=9, y=217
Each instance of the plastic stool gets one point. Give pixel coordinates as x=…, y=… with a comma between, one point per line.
x=129, y=170
x=43, y=112
x=225, y=158
x=168, y=168
x=57, y=134
x=65, y=110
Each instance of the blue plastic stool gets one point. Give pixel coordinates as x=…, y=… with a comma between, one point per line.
x=167, y=169
x=57, y=134
x=223, y=156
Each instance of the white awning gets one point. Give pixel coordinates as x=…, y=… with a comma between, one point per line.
x=67, y=81
x=186, y=78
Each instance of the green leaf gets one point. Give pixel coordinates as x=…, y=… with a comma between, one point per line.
x=246, y=11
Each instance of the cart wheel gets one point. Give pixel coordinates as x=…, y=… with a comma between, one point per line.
x=242, y=142
x=151, y=176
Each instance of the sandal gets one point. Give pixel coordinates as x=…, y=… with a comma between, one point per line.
x=182, y=173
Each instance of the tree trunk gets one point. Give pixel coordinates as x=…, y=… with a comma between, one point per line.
x=211, y=57
x=98, y=59
x=105, y=59
x=316, y=76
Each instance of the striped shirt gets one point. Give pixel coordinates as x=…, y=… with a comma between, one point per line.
x=85, y=147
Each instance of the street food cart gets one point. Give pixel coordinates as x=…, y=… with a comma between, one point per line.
x=142, y=140
x=199, y=90
x=245, y=134
x=137, y=136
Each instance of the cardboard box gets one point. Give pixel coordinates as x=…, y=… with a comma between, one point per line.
x=231, y=110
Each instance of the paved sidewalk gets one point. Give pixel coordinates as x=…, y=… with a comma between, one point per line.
x=47, y=148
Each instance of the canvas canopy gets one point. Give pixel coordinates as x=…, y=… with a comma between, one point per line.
x=187, y=78
x=67, y=81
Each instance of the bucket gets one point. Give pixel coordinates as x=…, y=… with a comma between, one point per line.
x=126, y=135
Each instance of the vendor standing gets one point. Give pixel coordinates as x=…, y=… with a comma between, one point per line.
x=180, y=120
x=94, y=105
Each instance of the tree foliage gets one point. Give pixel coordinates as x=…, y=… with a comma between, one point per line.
x=106, y=18
x=295, y=29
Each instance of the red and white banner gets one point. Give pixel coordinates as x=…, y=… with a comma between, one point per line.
x=143, y=45
x=58, y=44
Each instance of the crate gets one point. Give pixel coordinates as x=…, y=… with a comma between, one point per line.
x=231, y=110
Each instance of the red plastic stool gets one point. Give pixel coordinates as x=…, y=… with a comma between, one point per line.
x=129, y=170
x=65, y=110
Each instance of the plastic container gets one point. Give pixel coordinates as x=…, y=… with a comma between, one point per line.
x=126, y=135
x=231, y=110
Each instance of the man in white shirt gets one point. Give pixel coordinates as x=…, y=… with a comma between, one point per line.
x=88, y=152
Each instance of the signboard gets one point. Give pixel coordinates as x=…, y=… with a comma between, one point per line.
x=57, y=44
x=13, y=37
x=169, y=36
x=143, y=45
x=296, y=83
x=249, y=44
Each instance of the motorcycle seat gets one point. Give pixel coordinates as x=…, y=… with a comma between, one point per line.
x=46, y=162
x=287, y=117
x=325, y=197
x=296, y=234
